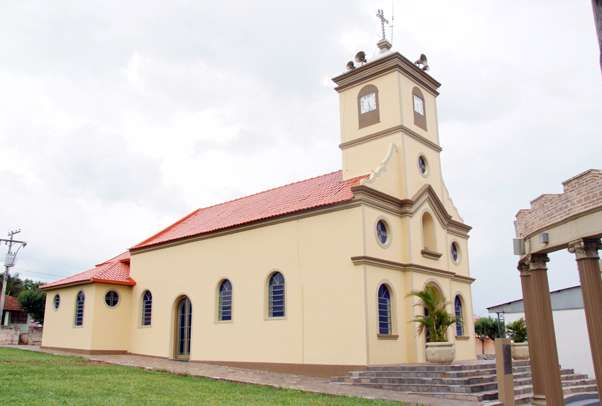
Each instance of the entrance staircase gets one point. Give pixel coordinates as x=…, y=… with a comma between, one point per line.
x=471, y=381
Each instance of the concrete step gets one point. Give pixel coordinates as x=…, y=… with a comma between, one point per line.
x=480, y=391
x=444, y=367
x=471, y=381
x=431, y=374
x=392, y=378
x=576, y=393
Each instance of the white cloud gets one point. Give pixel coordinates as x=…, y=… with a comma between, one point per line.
x=118, y=118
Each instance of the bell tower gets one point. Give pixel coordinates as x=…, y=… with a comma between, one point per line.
x=388, y=111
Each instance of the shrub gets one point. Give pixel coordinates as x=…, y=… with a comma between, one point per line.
x=487, y=327
x=436, y=319
x=33, y=301
x=517, y=331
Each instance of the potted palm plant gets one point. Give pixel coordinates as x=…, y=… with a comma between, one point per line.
x=435, y=322
x=517, y=331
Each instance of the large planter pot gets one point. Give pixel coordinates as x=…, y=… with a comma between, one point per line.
x=440, y=353
x=520, y=351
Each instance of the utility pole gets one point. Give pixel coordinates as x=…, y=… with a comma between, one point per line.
x=9, y=262
x=597, y=5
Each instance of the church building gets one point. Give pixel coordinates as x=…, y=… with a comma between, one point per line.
x=310, y=277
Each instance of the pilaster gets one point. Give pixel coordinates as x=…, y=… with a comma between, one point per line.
x=588, y=262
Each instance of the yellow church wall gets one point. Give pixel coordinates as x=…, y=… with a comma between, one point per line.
x=396, y=248
x=396, y=107
x=321, y=323
x=430, y=107
x=331, y=300
x=361, y=159
x=414, y=179
x=407, y=347
x=385, y=349
x=465, y=348
x=389, y=106
x=111, y=324
x=444, y=240
x=59, y=324
x=462, y=266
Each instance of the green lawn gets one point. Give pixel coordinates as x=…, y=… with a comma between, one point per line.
x=30, y=378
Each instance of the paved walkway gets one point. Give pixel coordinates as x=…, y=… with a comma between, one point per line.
x=253, y=376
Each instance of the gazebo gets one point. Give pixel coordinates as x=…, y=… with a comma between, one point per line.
x=571, y=220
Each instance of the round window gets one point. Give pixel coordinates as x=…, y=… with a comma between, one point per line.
x=455, y=252
x=382, y=232
x=111, y=298
x=423, y=165
x=56, y=301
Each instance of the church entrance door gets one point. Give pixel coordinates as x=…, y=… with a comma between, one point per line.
x=183, y=329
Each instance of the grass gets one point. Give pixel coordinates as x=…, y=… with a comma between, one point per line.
x=30, y=378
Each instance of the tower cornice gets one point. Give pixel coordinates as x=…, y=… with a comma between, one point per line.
x=382, y=65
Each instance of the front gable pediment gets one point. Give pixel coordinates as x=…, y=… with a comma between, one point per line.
x=409, y=207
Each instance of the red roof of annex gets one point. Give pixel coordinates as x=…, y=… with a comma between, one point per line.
x=12, y=304
x=296, y=197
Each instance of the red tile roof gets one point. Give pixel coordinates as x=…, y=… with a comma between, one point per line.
x=307, y=194
x=296, y=197
x=115, y=271
x=11, y=303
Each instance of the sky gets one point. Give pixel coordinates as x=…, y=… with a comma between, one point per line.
x=118, y=118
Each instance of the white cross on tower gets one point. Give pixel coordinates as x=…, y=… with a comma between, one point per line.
x=381, y=16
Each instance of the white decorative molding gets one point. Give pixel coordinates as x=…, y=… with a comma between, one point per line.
x=382, y=167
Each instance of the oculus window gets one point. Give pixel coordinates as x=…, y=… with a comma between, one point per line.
x=455, y=252
x=423, y=165
x=112, y=298
x=382, y=233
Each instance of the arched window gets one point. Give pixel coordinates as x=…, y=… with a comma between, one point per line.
x=57, y=301
x=147, y=308
x=428, y=233
x=225, y=301
x=384, y=310
x=276, y=299
x=79, y=308
x=419, y=108
x=367, y=106
x=459, y=316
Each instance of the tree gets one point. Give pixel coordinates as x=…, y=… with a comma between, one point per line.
x=14, y=284
x=33, y=301
x=436, y=319
x=486, y=327
x=517, y=330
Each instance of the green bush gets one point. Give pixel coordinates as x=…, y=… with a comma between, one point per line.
x=436, y=319
x=517, y=331
x=487, y=327
x=33, y=301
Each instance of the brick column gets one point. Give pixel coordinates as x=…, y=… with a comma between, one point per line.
x=533, y=330
x=586, y=252
x=546, y=354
